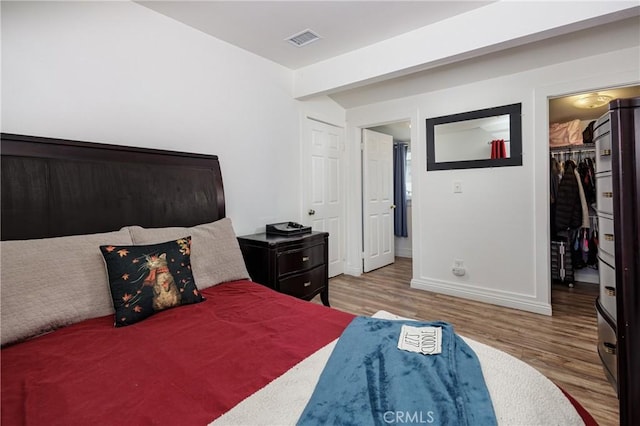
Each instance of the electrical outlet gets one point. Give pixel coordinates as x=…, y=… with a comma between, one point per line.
x=458, y=268
x=457, y=187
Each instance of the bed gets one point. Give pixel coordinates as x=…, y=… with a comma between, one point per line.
x=75, y=351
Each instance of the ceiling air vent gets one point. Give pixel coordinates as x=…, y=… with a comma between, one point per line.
x=303, y=38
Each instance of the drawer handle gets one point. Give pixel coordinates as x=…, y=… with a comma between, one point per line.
x=610, y=291
x=609, y=348
x=605, y=152
x=607, y=194
x=608, y=237
x=305, y=258
x=307, y=284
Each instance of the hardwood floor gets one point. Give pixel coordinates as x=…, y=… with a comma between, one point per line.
x=562, y=347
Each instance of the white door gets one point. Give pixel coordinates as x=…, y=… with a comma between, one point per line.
x=323, y=201
x=377, y=200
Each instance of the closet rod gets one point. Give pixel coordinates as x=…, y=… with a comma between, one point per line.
x=565, y=150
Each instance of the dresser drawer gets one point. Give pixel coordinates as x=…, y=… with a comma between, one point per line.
x=607, y=346
x=607, y=287
x=604, y=193
x=300, y=259
x=304, y=285
x=606, y=238
x=602, y=138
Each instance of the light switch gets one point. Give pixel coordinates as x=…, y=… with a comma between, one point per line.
x=457, y=187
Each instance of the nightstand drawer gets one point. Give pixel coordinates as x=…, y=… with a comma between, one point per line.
x=306, y=284
x=300, y=260
x=294, y=264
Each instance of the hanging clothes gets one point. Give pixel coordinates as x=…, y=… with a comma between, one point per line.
x=587, y=178
x=592, y=256
x=583, y=200
x=554, y=180
x=572, y=193
x=568, y=204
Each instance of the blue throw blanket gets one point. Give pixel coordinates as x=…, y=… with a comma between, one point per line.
x=369, y=381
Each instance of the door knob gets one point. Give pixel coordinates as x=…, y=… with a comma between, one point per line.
x=393, y=206
x=312, y=212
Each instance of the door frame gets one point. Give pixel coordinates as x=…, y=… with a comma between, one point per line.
x=353, y=180
x=541, y=190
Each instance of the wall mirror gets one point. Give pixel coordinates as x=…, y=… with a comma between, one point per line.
x=489, y=137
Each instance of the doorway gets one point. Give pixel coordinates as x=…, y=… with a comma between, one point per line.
x=400, y=182
x=574, y=249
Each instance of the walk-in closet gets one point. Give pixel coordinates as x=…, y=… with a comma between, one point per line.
x=574, y=233
x=593, y=219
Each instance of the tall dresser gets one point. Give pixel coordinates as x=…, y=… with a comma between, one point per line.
x=606, y=305
x=617, y=135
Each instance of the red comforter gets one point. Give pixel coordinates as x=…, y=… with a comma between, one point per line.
x=187, y=365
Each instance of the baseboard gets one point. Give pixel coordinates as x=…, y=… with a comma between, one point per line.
x=404, y=252
x=482, y=295
x=586, y=275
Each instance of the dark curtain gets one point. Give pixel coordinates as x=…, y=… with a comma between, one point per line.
x=399, y=189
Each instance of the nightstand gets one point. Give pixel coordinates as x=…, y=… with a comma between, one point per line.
x=296, y=265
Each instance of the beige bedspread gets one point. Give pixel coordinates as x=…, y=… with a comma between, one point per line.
x=521, y=395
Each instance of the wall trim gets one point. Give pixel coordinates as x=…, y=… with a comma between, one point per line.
x=482, y=295
x=404, y=252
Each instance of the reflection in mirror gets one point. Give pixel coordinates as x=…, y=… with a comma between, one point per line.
x=459, y=141
x=483, y=138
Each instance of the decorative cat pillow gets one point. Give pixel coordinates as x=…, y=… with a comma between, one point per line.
x=147, y=279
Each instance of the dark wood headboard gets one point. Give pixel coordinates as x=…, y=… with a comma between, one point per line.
x=53, y=187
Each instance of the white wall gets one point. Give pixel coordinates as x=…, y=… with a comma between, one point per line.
x=117, y=72
x=499, y=224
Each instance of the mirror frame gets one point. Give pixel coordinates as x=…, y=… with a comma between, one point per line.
x=515, y=138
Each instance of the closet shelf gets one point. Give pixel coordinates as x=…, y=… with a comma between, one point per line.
x=573, y=148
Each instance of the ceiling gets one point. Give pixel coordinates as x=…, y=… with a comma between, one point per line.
x=262, y=27
x=401, y=130
x=562, y=109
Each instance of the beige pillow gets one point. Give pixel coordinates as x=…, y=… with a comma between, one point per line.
x=215, y=252
x=49, y=283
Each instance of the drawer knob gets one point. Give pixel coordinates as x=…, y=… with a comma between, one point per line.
x=605, y=152
x=609, y=348
x=608, y=237
x=610, y=291
x=307, y=284
x=305, y=258
x=607, y=194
